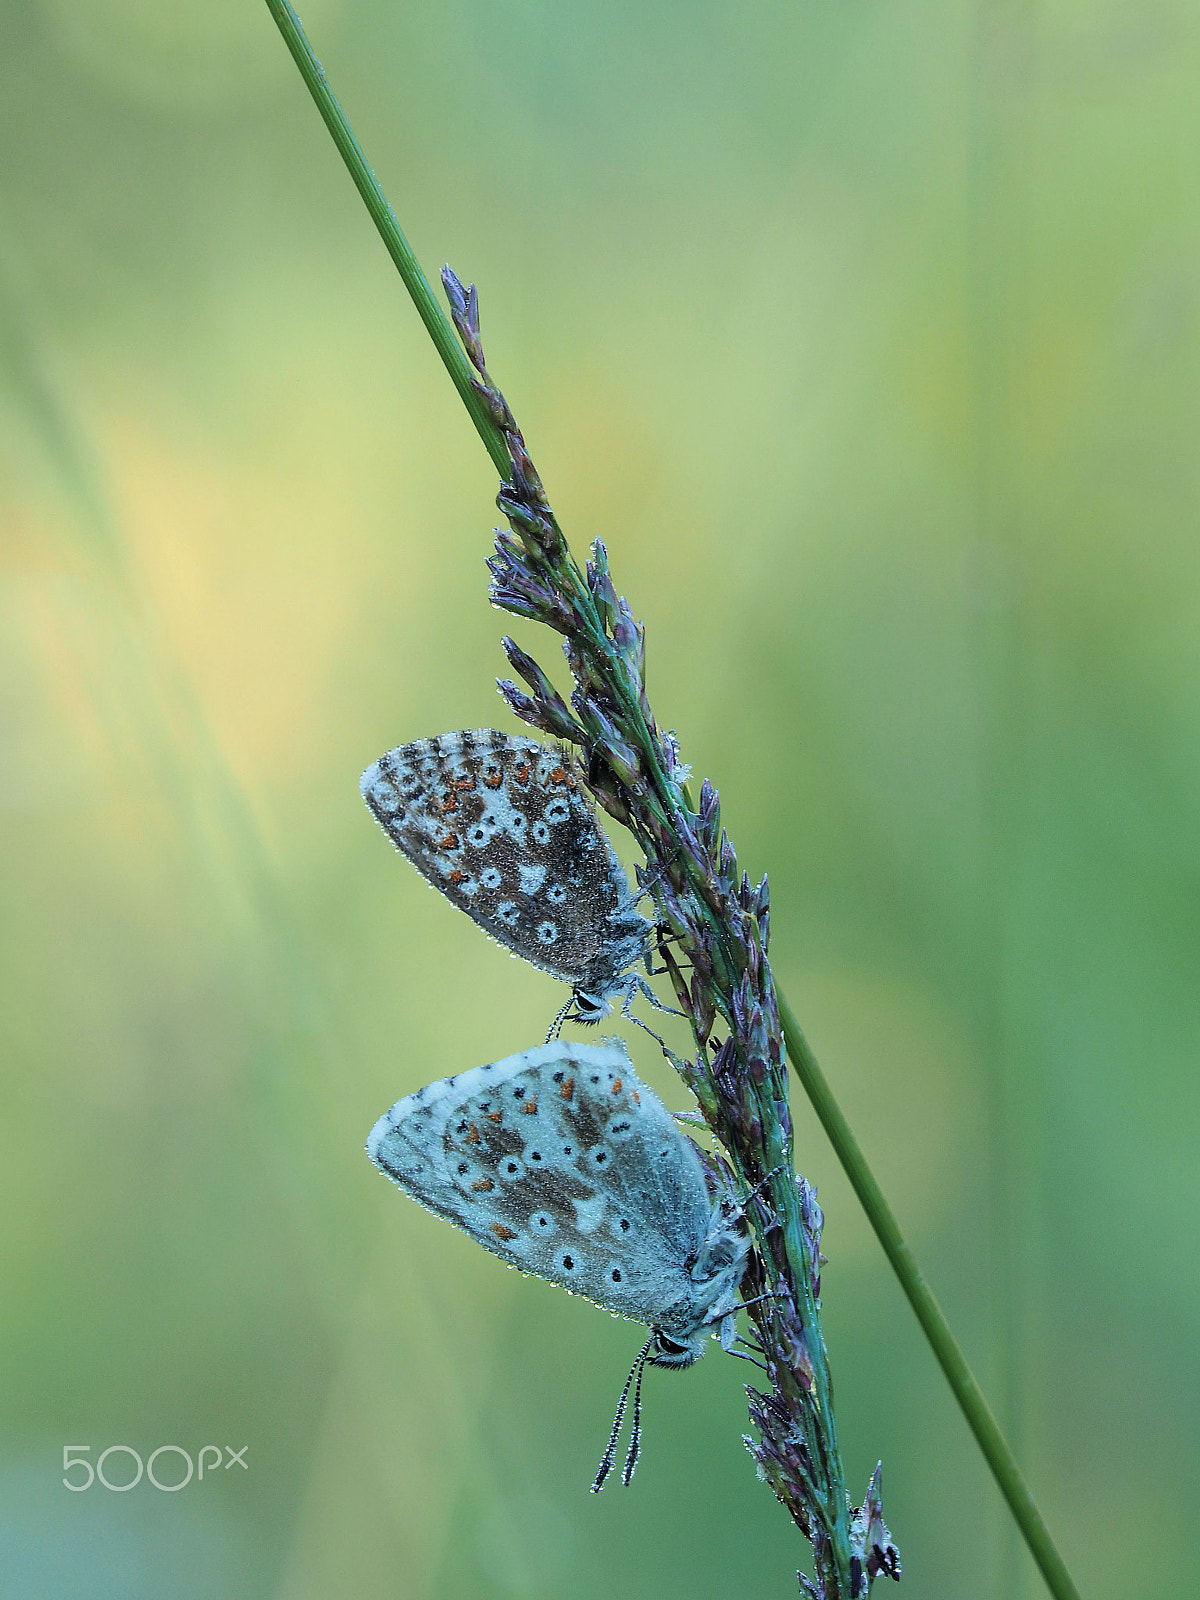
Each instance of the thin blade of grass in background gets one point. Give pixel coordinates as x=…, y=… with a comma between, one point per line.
x=154, y=718
x=932, y=1320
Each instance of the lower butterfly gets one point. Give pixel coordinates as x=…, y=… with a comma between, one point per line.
x=562, y=1163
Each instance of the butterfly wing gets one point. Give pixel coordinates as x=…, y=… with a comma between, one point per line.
x=560, y=1161
x=500, y=825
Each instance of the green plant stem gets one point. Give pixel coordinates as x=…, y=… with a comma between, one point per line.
x=436, y=322
x=929, y=1314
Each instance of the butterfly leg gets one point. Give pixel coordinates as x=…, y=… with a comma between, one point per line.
x=646, y=880
x=757, y=1299
x=728, y=1333
x=750, y=1343
x=743, y=1355
x=662, y=938
x=731, y=1337
x=631, y=986
x=757, y=1191
x=636, y=982
x=661, y=1043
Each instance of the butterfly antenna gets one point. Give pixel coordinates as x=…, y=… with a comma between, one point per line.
x=556, y=1025
x=635, y=1437
x=610, y=1452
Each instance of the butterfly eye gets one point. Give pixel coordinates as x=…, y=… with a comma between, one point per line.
x=669, y=1352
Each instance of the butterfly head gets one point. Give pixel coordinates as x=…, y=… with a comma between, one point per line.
x=671, y=1350
x=590, y=1008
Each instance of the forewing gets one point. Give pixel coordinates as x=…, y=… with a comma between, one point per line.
x=560, y=1161
x=501, y=826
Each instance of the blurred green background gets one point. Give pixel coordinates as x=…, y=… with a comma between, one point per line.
x=867, y=334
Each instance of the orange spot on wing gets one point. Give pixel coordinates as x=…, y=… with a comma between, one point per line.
x=617, y=1086
x=464, y=783
x=637, y=1099
x=472, y=1134
x=568, y=1089
x=558, y=775
x=448, y=841
x=457, y=877
x=521, y=773
x=502, y=1232
x=483, y=1186
x=493, y=779
x=494, y=1116
x=530, y=1108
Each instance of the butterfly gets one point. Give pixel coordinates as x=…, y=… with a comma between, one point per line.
x=560, y=1161
x=502, y=827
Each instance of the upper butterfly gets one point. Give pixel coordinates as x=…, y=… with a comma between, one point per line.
x=501, y=826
